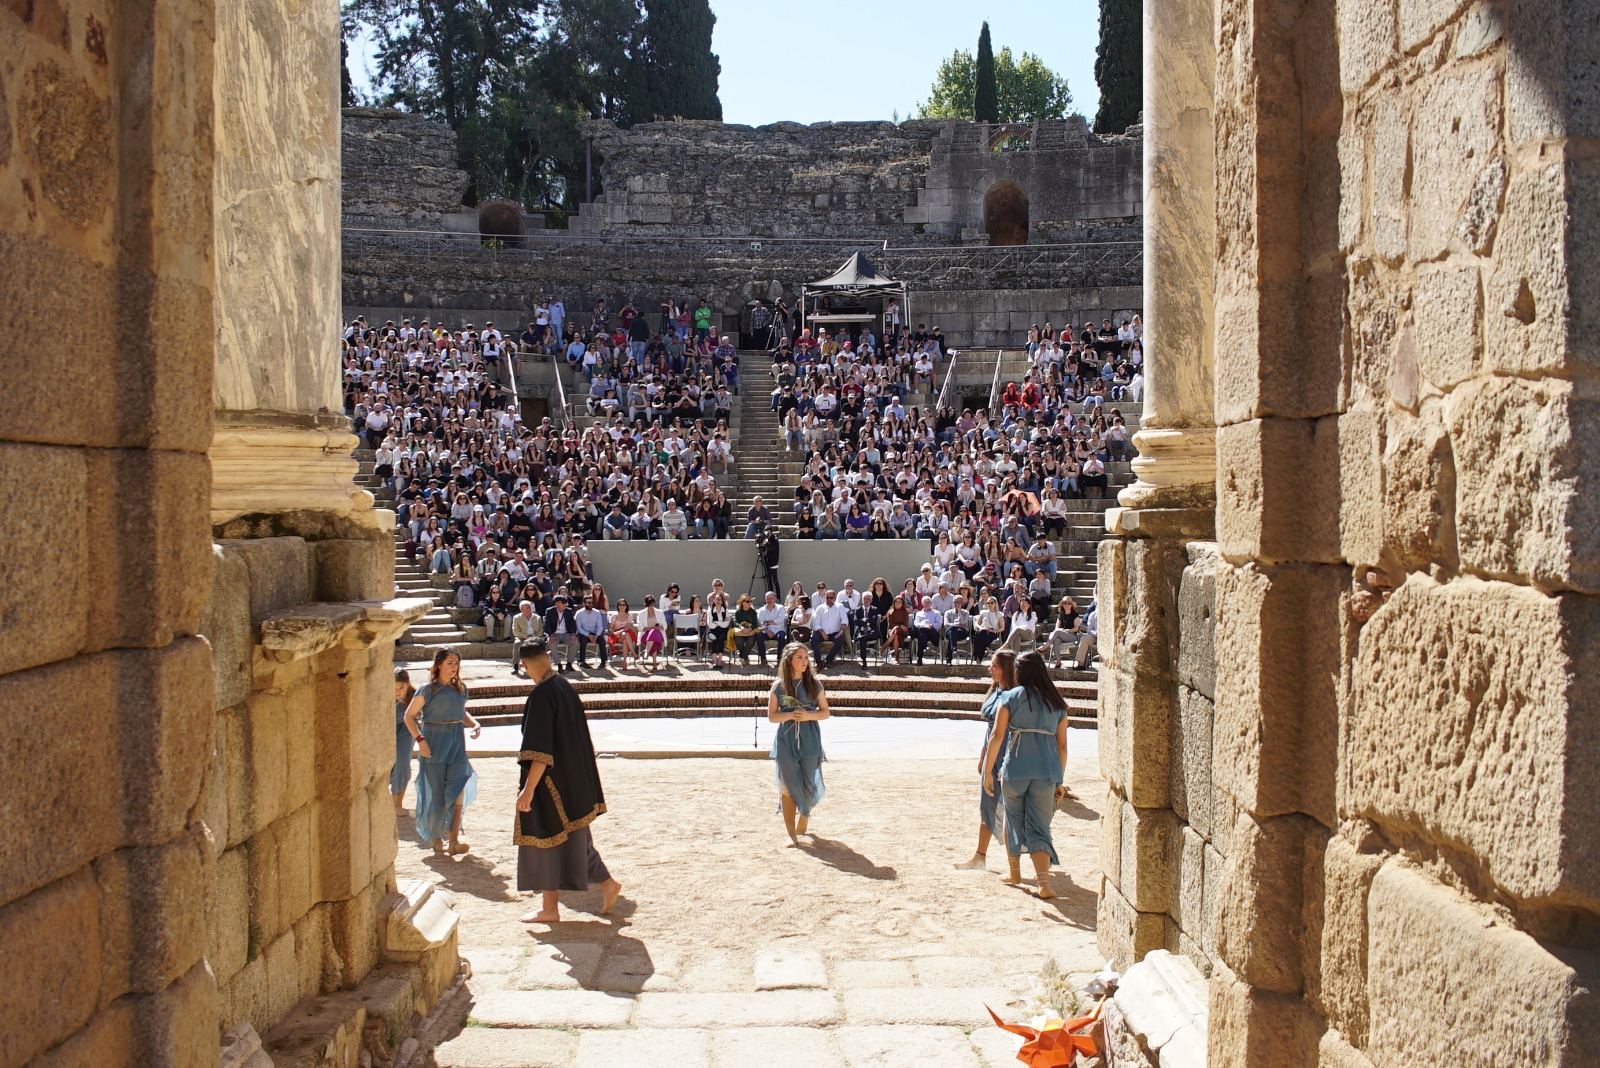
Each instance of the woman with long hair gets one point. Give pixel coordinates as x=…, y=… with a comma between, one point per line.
x=1002, y=678
x=624, y=636
x=400, y=774
x=896, y=627
x=1024, y=763
x=796, y=703
x=652, y=628
x=438, y=721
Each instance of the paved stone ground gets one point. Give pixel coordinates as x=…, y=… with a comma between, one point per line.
x=728, y=948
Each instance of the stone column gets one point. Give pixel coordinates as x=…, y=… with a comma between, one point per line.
x=281, y=444
x=1176, y=465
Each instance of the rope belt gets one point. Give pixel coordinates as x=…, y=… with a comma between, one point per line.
x=1018, y=732
x=442, y=722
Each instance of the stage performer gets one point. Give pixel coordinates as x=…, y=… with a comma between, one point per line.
x=1002, y=677
x=560, y=794
x=797, y=702
x=438, y=720
x=1030, y=741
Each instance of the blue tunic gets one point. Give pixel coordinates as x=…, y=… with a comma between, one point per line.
x=989, y=808
x=400, y=774
x=1030, y=771
x=797, y=749
x=444, y=778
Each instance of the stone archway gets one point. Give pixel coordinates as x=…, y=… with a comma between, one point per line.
x=1005, y=213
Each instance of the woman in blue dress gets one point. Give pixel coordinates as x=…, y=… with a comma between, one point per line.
x=796, y=703
x=400, y=774
x=1002, y=678
x=438, y=720
x=1029, y=742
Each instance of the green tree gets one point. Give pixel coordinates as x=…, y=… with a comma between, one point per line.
x=678, y=72
x=985, y=91
x=1027, y=89
x=1119, y=65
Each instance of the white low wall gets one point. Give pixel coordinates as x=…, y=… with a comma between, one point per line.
x=632, y=569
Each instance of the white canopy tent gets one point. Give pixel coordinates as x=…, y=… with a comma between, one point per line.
x=859, y=281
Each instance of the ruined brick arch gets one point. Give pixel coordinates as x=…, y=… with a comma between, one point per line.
x=1004, y=135
x=1005, y=213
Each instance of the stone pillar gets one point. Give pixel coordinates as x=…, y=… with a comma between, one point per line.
x=280, y=443
x=1176, y=465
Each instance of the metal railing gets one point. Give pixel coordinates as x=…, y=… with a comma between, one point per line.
x=563, y=417
x=949, y=381
x=994, y=383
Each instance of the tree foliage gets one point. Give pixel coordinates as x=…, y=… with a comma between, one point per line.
x=985, y=91
x=514, y=78
x=1026, y=89
x=1119, y=65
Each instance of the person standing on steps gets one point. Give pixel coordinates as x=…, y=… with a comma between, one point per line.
x=559, y=795
x=1029, y=742
x=400, y=775
x=438, y=721
x=1002, y=678
x=797, y=703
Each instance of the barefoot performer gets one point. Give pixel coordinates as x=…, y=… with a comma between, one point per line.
x=1030, y=729
x=438, y=720
x=560, y=794
x=1002, y=677
x=796, y=702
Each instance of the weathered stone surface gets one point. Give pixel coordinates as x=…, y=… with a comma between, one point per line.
x=925, y=1047
x=1124, y=933
x=789, y=968
x=44, y=588
x=499, y=1047
x=1260, y=903
x=927, y=1006
x=1456, y=134
x=1536, y=297
x=1136, y=735
x=1280, y=658
x=1391, y=151
x=1257, y=1029
x=1111, y=594
x=1442, y=971
x=281, y=572
x=1151, y=847
x=1192, y=745
x=178, y=1026
x=1465, y=734
x=1361, y=516
x=779, y=1047
x=152, y=915
x=1366, y=41
x=225, y=623
x=228, y=914
x=602, y=1049
x=770, y=1008
x=1449, y=324
x=1538, y=438
x=552, y=1008
x=50, y=954
x=399, y=169
x=1146, y=633
x=1340, y=986
x=1550, y=72
x=1197, y=609
x=1190, y=897
x=1277, y=490
x=1334, y=1052
x=64, y=128
x=1419, y=483
x=166, y=706
x=352, y=570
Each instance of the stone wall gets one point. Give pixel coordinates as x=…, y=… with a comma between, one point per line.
x=1401, y=749
x=399, y=170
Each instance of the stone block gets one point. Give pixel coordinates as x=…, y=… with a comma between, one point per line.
x=178, y=1025
x=1214, y=865
x=1449, y=323
x=1391, y=153
x=1340, y=989
x=225, y=623
x=266, y=915
x=50, y=955
x=1280, y=664
x=111, y=1037
x=1442, y=971
x=343, y=701
x=353, y=931
x=383, y=837
x=45, y=580
x=1146, y=633
x=789, y=968
x=1111, y=837
x=1257, y=1028
x=151, y=528
x=82, y=823
x=1190, y=904
x=1136, y=734
x=496, y=1047
x=165, y=732
x=1361, y=517
x=1260, y=903
x=1190, y=768
x=299, y=861
x=152, y=915
x=778, y=1047
x=925, y=1047
x=924, y=1006
x=1421, y=19
x=416, y=920
x=1470, y=723
x=343, y=847
x=1110, y=593
x=354, y=570
x=1278, y=490
x=1551, y=80
x=1151, y=847
x=1419, y=482
x=1197, y=610
x=215, y=816
x=1334, y=1052
x=1456, y=135
x=311, y=942
x=297, y=709
x=1537, y=437
x=282, y=572
x=1124, y=933
x=265, y=733
x=228, y=914
x=1366, y=41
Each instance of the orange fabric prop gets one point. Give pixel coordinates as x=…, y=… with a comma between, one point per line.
x=1056, y=1046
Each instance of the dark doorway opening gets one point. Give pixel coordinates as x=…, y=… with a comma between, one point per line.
x=1005, y=213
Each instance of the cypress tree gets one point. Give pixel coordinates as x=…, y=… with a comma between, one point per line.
x=1119, y=65
x=679, y=69
x=986, y=92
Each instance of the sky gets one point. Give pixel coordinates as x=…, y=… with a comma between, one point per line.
x=844, y=60
x=866, y=59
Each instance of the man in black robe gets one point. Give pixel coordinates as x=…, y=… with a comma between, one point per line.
x=560, y=793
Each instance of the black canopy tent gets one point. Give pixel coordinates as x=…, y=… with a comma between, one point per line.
x=859, y=282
